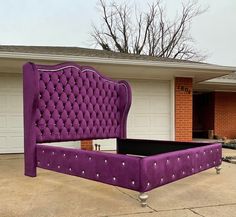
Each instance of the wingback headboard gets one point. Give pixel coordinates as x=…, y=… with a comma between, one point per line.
x=69, y=102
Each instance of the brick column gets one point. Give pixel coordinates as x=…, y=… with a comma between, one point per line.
x=183, y=109
x=87, y=145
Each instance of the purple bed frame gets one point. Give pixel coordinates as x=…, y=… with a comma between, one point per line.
x=68, y=102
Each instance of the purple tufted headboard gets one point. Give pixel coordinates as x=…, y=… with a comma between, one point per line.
x=72, y=102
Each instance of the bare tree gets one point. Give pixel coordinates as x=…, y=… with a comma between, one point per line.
x=126, y=30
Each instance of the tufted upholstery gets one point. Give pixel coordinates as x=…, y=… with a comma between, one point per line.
x=68, y=102
x=113, y=169
x=162, y=169
x=135, y=173
x=78, y=103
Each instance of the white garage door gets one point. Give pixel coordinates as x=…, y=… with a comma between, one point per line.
x=150, y=113
x=11, y=115
x=11, y=119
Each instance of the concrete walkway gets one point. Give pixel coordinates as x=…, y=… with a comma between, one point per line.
x=52, y=194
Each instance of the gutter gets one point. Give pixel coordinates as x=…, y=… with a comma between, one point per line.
x=99, y=60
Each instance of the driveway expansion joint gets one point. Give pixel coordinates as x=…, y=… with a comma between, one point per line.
x=215, y=205
x=124, y=214
x=196, y=212
x=148, y=206
x=126, y=194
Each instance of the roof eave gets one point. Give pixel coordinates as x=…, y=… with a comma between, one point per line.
x=87, y=59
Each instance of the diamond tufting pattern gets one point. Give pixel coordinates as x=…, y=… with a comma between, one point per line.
x=136, y=173
x=162, y=169
x=104, y=167
x=78, y=103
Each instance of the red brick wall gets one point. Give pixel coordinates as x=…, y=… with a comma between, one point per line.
x=225, y=114
x=183, y=109
x=87, y=145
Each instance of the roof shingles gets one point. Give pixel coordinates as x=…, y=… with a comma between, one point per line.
x=78, y=51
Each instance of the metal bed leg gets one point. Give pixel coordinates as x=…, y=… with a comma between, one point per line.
x=143, y=199
x=218, y=168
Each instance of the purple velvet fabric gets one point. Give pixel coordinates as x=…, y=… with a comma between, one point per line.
x=113, y=169
x=30, y=95
x=162, y=169
x=69, y=102
x=135, y=173
x=78, y=103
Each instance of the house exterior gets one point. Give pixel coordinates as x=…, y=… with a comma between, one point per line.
x=216, y=99
x=163, y=93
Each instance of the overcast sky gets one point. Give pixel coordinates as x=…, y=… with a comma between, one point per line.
x=68, y=23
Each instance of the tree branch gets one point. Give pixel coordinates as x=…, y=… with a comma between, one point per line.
x=150, y=33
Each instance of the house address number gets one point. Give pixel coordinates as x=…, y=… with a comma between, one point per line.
x=184, y=89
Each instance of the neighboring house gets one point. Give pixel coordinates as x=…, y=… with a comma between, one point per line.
x=163, y=92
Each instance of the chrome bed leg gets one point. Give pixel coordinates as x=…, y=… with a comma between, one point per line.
x=218, y=168
x=143, y=199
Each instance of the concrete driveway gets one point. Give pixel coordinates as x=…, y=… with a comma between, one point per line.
x=52, y=194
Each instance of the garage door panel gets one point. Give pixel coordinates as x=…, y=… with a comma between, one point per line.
x=15, y=121
x=15, y=141
x=16, y=83
x=3, y=122
x=3, y=102
x=140, y=105
x=3, y=141
x=160, y=122
x=156, y=132
x=150, y=116
x=10, y=82
x=140, y=121
x=148, y=136
x=160, y=137
x=15, y=103
x=151, y=122
x=159, y=104
x=150, y=104
x=4, y=82
x=145, y=87
x=11, y=142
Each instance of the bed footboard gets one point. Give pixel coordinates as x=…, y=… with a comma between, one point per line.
x=113, y=169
